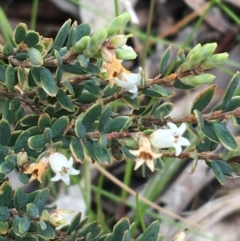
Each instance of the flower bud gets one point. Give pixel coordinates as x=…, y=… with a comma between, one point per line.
x=80, y=45
x=35, y=57
x=107, y=54
x=119, y=40
x=195, y=80
x=193, y=50
x=125, y=53
x=185, y=66
x=60, y=217
x=214, y=60
x=117, y=23
x=208, y=49
x=96, y=42
x=180, y=237
x=22, y=158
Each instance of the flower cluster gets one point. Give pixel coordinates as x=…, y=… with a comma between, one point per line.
x=113, y=52
x=60, y=165
x=159, y=139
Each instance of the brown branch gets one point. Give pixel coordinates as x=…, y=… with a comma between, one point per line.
x=216, y=115
x=203, y=155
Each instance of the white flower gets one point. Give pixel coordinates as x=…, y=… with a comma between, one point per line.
x=130, y=82
x=165, y=138
x=62, y=167
x=145, y=154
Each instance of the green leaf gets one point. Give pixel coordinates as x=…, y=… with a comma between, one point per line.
x=101, y=153
x=34, y=77
x=206, y=145
x=5, y=131
x=91, y=115
x=76, y=33
x=179, y=85
x=9, y=164
x=90, y=149
x=108, y=91
x=32, y=210
x=92, y=228
x=32, y=38
x=48, y=83
x=105, y=117
x=74, y=68
x=203, y=99
x=74, y=225
x=23, y=178
x=86, y=97
x=22, y=143
x=158, y=92
x=44, y=121
x=4, y=227
x=24, y=225
x=11, y=112
x=151, y=232
x=20, y=32
x=82, y=30
x=163, y=110
x=5, y=193
x=225, y=137
x=10, y=78
x=41, y=199
x=206, y=127
x=47, y=135
x=164, y=60
x=5, y=214
x=91, y=68
x=118, y=124
x=83, y=61
x=76, y=149
x=36, y=142
x=2, y=73
x=59, y=71
x=48, y=233
x=62, y=35
x=92, y=88
x=8, y=50
x=230, y=91
x=133, y=103
x=119, y=229
x=218, y=172
x=65, y=101
x=22, y=78
x=80, y=129
x=59, y=125
x=19, y=200
x=234, y=103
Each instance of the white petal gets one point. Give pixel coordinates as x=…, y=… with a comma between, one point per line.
x=139, y=163
x=124, y=84
x=178, y=149
x=66, y=179
x=172, y=126
x=150, y=165
x=133, y=78
x=162, y=138
x=181, y=129
x=73, y=171
x=134, y=152
x=183, y=141
x=57, y=161
x=57, y=177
